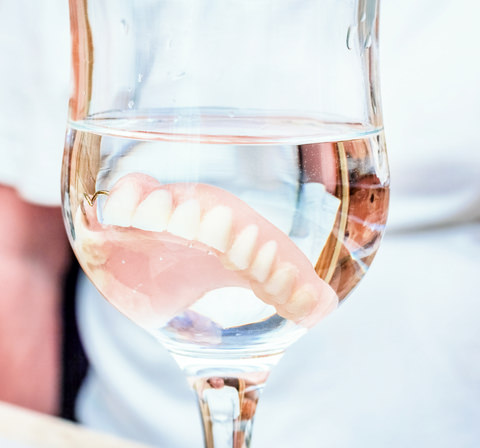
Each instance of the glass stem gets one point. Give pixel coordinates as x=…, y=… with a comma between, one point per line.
x=227, y=406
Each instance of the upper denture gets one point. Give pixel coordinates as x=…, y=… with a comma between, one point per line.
x=252, y=249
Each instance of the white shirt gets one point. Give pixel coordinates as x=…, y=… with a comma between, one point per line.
x=223, y=403
x=34, y=88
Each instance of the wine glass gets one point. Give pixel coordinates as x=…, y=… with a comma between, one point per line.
x=225, y=182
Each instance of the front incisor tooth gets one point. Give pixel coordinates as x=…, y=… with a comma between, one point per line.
x=262, y=264
x=154, y=211
x=301, y=303
x=185, y=220
x=240, y=254
x=121, y=204
x=280, y=283
x=216, y=227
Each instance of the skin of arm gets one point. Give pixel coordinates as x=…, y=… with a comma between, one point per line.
x=34, y=255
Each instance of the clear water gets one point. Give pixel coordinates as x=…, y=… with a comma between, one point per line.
x=313, y=196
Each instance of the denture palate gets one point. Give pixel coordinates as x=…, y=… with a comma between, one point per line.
x=244, y=242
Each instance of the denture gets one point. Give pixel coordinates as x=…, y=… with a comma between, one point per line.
x=192, y=238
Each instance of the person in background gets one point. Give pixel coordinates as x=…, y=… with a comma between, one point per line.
x=34, y=252
x=33, y=255
x=223, y=405
x=394, y=366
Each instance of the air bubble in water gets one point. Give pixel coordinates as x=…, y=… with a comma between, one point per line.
x=126, y=27
x=180, y=75
x=351, y=32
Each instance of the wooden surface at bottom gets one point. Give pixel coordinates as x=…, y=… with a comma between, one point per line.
x=21, y=428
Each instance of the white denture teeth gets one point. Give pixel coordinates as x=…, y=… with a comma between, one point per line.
x=120, y=205
x=153, y=213
x=185, y=220
x=216, y=227
x=262, y=264
x=280, y=283
x=301, y=303
x=240, y=254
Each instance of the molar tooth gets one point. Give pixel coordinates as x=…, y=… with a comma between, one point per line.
x=121, y=204
x=280, y=283
x=216, y=227
x=185, y=220
x=154, y=211
x=301, y=303
x=263, y=262
x=240, y=254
